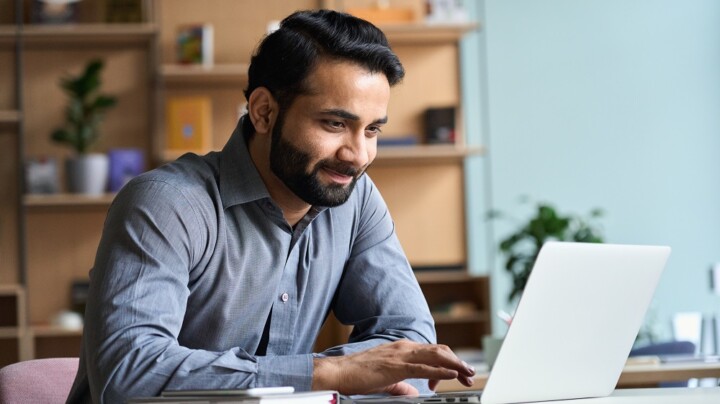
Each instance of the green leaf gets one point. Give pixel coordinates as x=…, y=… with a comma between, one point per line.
x=103, y=102
x=62, y=136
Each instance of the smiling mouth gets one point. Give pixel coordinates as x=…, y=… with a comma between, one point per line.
x=338, y=177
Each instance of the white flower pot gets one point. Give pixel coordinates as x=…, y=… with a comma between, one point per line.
x=87, y=173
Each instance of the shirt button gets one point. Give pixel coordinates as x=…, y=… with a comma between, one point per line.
x=284, y=297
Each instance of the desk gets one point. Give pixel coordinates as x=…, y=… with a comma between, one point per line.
x=654, y=396
x=632, y=375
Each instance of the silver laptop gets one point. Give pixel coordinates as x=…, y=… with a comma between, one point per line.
x=574, y=325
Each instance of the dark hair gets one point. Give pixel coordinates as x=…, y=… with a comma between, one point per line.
x=285, y=58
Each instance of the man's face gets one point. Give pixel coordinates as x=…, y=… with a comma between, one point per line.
x=326, y=139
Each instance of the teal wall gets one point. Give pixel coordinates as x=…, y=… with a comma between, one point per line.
x=600, y=103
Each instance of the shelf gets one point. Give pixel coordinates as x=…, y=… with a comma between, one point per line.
x=10, y=290
x=88, y=33
x=199, y=74
x=63, y=200
x=8, y=33
x=453, y=276
x=172, y=155
x=54, y=331
x=424, y=34
x=9, y=117
x=10, y=332
x=393, y=154
x=442, y=318
x=428, y=153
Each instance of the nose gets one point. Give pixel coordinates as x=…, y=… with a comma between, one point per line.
x=355, y=150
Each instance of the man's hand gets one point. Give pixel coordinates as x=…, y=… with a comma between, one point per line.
x=383, y=369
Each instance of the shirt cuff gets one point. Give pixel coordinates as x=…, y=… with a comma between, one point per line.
x=290, y=370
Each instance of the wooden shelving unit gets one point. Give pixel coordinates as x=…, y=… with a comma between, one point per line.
x=13, y=343
x=56, y=235
x=138, y=54
x=50, y=341
x=444, y=290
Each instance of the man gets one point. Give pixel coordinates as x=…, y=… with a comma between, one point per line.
x=218, y=271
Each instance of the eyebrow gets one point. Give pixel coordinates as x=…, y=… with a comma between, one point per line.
x=349, y=115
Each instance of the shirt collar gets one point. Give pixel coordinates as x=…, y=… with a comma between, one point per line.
x=240, y=180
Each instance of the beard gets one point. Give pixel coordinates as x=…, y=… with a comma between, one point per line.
x=290, y=164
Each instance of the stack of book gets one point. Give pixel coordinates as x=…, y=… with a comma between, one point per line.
x=268, y=395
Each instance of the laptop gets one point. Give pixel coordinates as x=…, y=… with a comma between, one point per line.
x=573, y=328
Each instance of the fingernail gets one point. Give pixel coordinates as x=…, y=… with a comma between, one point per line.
x=468, y=367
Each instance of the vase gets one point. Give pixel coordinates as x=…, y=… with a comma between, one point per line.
x=87, y=173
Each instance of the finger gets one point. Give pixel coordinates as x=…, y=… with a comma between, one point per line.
x=402, y=389
x=465, y=380
x=422, y=371
x=433, y=383
x=441, y=356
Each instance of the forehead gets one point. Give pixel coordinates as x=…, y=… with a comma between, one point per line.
x=346, y=84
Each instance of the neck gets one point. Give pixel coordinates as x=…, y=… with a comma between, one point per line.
x=293, y=208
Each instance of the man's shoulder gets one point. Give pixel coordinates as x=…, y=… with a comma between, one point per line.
x=190, y=177
x=187, y=171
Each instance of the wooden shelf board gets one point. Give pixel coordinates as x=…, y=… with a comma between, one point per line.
x=423, y=33
x=8, y=33
x=442, y=318
x=88, y=33
x=453, y=276
x=396, y=154
x=10, y=332
x=392, y=154
x=9, y=116
x=10, y=290
x=53, y=331
x=218, y=73
x=51, y=200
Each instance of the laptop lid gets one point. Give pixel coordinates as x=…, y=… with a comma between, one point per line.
x=576, y=322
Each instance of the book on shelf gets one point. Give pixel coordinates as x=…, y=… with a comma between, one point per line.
x=188, y=124
x=408, y=140
x=271, y=395
x=195, y=44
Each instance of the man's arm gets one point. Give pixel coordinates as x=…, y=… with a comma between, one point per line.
x=153, y=238
x=380, y=296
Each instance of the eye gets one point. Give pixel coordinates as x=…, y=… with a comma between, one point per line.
x=336, y=125
x=373, y=131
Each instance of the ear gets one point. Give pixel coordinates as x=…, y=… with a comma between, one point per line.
x=262, y=110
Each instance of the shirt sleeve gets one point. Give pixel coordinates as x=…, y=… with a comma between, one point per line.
x=153, y=237
x=379, y=294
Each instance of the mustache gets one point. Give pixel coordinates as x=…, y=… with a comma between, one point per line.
x=341, y=168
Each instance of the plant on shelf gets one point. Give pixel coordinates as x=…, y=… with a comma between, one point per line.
x=86, y=172
x=521, y=247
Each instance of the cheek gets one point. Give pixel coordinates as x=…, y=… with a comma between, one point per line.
x=372, y=149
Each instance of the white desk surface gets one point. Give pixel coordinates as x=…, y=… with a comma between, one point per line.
x=654, y=396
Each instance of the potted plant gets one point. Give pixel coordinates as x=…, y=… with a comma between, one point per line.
x=521, y=247
x=85, y=172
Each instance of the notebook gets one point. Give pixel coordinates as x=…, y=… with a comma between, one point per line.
x=574, y=325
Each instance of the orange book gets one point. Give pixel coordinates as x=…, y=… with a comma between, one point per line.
x=189, y=124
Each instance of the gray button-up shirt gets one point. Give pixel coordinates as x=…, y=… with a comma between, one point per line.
x=195, y=257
